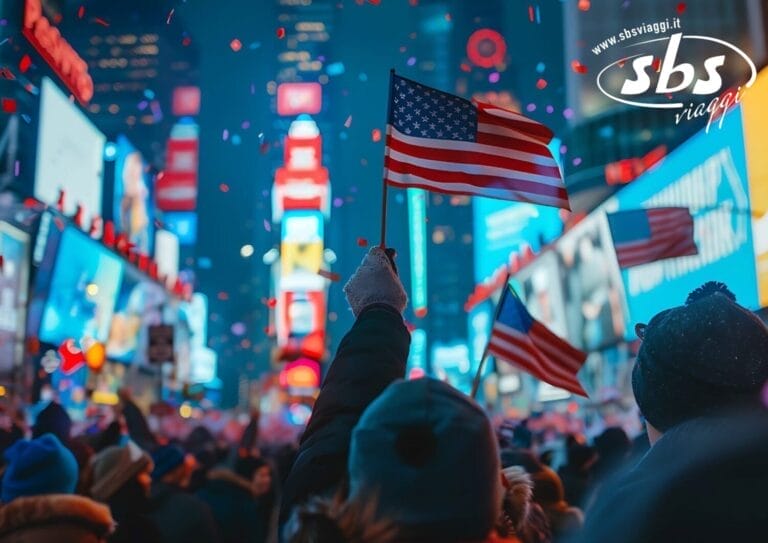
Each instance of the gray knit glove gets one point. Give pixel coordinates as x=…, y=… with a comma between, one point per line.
x=375, y=282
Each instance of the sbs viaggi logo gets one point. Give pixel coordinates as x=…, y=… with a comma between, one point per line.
x=679, y=72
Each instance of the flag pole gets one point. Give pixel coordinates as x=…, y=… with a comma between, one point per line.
x=479, y=374
x=385, y=186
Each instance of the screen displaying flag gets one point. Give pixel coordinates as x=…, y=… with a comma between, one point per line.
x=523, y=341
x=440, y=142
x=646, y=235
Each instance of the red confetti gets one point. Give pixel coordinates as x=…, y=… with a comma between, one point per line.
x=25, y=63
x=448, y=17
x=59, y=223
x=530, y=13
x=280, y=32
x=2, y=262
x=578, y=67
x=223, y=296
x=376, y=135
x=186, y=41
x=264, y=148
x=329, y=275
x=541, y=84
x=584, y=5
x=656, y=64
x=99, y=20
x=362, y=242
x=5, y=73
x=80, y=12
x=681, y=7
x=271, y=302
x=224, y=187
x=236, y=45
x=374, y=2
x=622, y=62
x=465, y=67
x=9, y=105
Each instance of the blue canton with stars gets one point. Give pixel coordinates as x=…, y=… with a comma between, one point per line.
x=420, y=111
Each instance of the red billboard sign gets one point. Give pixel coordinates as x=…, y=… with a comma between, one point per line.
x=303, y=154
x=297, y=98
x=176, y=187
x=57, y=52
x=186, y=101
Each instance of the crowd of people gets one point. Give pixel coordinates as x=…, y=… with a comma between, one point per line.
x=384, y=459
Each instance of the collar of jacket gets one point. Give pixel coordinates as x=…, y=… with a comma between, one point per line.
x=52, y=509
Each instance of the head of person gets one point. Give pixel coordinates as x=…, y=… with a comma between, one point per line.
x=427, y=456
x=707, y=356
x=121, y=472
x=257, y=471
x=38, y=466
x=173, y=465
x=55, y=420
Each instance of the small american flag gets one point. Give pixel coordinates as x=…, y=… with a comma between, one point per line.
x=440, y=142
x=641, y=236
x=523, y=341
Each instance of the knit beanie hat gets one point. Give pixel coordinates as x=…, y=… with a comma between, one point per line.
x=38, y=466
x=115, y=466
x=166, y=459
x=53, y=420
x=707, y=355
x=427, y=454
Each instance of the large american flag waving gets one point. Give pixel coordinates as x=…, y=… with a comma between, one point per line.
x=441, y=142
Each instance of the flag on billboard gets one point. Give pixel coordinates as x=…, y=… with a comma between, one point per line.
x=641, y=236
x=521, y=340
x=441, y=142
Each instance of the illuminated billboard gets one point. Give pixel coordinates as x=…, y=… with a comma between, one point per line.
x=297, y=189
x=302, y=154
x=176, y=187
x=296, y=98
x=14, y=273
x=707, y=174
x=70, y=155
x=755, y=114
x=501, y=229
x=417, y=226
x=133, y=208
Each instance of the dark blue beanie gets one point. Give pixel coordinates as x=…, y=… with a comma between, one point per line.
x=39, y=466
x=166, y=458
x=53, y=420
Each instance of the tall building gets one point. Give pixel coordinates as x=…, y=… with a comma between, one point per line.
x=603, y=131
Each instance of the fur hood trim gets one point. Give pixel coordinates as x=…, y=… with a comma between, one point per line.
x=54, y=509
x=229, y=476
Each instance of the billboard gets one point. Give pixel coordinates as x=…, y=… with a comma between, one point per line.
x=501, y=228
x=167, y=256
x=708, y=174
x=70, y=155
x=301, y=251
x=14, y=271
x=133, y=209
x=297, y=98
x=176, y=187
x=755, y=113
x=303, y=153
x=300, y=189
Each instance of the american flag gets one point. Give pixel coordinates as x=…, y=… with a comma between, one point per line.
x=523, y=341
x=646, y=235
x=440, y=142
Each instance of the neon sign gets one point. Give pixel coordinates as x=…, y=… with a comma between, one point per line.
x=57, y=52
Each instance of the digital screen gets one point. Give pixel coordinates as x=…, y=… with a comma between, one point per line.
x=501, y=228
x=124, y=332
x=707, y=174
x=70, y=154
x=296, y=98
x=593, y=298
x=133, y=207
x=167, y=255
x=301, y=250
x=183, y=224
x=14, y=246
x=83, y=290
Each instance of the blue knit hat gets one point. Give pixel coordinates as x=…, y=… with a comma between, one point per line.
x=39, y=466
x=429, y=456
x=166, y=458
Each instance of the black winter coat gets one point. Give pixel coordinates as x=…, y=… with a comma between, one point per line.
x=372, y=355
x=182, y=517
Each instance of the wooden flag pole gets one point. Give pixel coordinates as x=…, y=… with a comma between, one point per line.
x=384, y=178
x=479, y=374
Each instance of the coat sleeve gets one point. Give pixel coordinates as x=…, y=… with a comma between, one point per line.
x=372, y=355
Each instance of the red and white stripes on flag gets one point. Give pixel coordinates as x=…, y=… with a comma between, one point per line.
x=519, y=339
x=443, y=143
x=641, y=236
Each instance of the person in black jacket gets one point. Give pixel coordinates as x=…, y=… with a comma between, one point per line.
x=705, y=474
x=370, y=357
x=242, y=500
x=180, y=517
